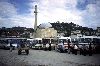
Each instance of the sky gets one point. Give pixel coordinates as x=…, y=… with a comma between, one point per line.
x=21, y=12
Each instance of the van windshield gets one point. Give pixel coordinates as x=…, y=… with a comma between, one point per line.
x=62, y=40
x=85, y=40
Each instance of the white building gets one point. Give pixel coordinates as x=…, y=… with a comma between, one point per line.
x=45, y=31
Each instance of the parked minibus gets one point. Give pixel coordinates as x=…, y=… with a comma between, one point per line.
x=63, y=44
x=49, y=42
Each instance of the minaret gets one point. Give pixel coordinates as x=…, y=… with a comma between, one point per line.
x=35, y=24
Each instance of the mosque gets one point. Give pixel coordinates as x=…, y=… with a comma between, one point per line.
x=44, y=30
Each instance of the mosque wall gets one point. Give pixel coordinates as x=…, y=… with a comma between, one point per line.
x=46, y=33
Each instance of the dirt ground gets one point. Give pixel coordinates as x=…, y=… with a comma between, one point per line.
x=46, y=58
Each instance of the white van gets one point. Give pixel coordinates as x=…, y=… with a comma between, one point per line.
x=63, y=44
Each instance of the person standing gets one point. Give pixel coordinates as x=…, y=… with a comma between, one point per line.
x=56, y=47
x=47, y=46
x=84, y=50
x=81, y=49
x=44, y=46
x=11, y=46
x=90, y=49
x=69, y=48
x=75, y=49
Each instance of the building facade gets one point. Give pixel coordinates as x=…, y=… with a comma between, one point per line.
x=46, y=33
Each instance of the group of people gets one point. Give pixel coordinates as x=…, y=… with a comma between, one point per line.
x=82, y=49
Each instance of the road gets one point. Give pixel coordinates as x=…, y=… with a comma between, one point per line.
x=46, y=58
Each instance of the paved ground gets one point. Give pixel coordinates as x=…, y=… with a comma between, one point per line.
x=47, y=58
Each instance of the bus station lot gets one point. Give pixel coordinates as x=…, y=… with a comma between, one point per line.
x=46, y=58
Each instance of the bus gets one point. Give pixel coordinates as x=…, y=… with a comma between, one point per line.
x=86, y=40
x=5, y=42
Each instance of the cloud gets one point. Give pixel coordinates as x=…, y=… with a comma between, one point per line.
x=91, y=15
x=7, y=9
x=18, y=20
x=51, y=11
x=10, y=18
x=67, y=11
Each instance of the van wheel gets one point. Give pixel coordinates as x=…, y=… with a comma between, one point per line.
x=61, y=51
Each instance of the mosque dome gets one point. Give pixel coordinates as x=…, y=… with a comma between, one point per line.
x=45, y=25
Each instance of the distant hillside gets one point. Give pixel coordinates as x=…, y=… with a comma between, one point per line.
x=66, y=28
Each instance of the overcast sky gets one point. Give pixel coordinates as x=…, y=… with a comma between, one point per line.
x=21, y=12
